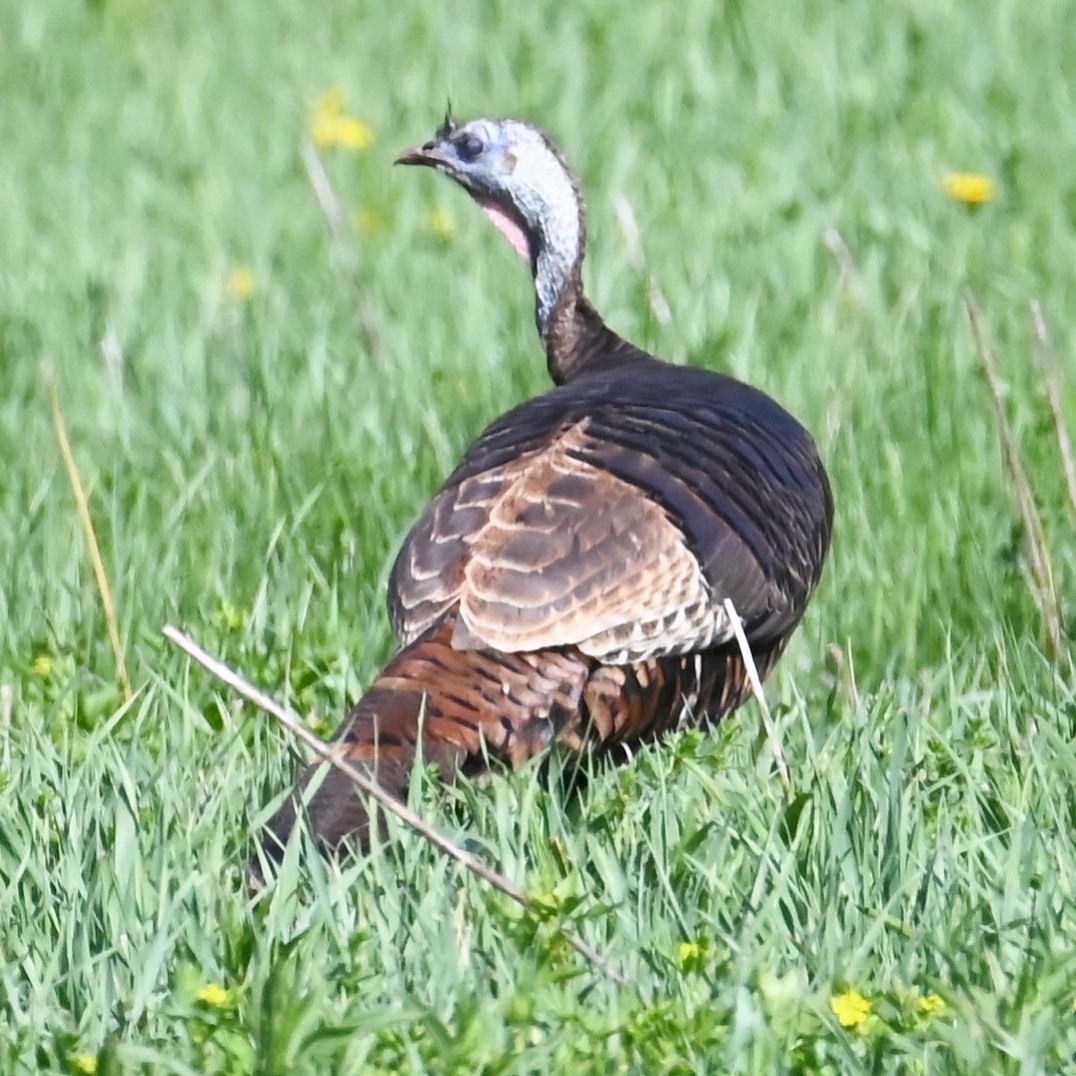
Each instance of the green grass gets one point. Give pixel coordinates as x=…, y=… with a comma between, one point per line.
x=251, y=471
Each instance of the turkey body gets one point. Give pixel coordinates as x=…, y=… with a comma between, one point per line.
x=567, y=585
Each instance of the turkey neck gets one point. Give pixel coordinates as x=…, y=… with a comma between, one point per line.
x=576, y=339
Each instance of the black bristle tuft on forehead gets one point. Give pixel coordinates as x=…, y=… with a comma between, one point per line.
x=448, y=124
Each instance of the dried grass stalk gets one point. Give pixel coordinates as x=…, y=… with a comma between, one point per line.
x=1038, y=551
x=1053, y=394
x=82, y=506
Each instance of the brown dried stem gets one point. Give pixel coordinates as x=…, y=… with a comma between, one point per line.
x=853, y=282
x=1053, y=394
x=1038, y=551
x=100, y=574
x=845, y=673
x=633, y=243
x=334, y=220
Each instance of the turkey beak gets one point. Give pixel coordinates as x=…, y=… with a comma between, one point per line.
x=427, y=154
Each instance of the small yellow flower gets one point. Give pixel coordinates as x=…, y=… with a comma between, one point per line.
x=353, y=134
x=331, y=103
x=545, y=905
x=333, y=128
x=442, y=225
x=86, y=1064
x=691, y=956
x=969, y=188
x=851, y=1008
x=688, y=951
x=366, y=220
x=931, y=1004
x=216, y=997
x=344, y=132
x=322, y=725
x=229, y=617
x=240, y=285
x=324, y=132
x=43, y=666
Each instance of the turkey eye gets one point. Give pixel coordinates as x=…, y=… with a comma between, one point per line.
x=470, y=148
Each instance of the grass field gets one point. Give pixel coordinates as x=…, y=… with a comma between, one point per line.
x=252, y=460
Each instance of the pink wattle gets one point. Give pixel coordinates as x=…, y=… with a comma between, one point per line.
x=508, y=228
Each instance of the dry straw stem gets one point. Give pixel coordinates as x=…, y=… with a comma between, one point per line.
x=1053, y=394
x=7, y=703
x=1038, y=551
x=83, y=507
x=845, y=674
x=853, y=282
x=324, y=751
x=334, y=220
x=756, y=688
x=633, y=244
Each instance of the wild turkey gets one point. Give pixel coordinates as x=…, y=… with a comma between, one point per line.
x=567, y=583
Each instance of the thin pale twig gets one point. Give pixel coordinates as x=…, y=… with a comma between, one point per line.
x=1053, y=394
x=334, y=220
x=82, y=505
x=846, y=675
x=7, y=704
x=112, y=353
x=853, y=282
x=756, y=688
x=1038, y=551
x=324, y=751
x=633, y=243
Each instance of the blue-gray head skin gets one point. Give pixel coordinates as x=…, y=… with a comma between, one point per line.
x=514, y=173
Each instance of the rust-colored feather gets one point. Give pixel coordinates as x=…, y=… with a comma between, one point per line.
x=457, y=709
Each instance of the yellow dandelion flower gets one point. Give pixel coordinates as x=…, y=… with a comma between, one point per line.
x=85, y=1064
x=333, y=128
x=324, y=132
x=969, y=188
x=442, y=225
x=229, y=617
x=215, y=996
x=851, y=1008
x=343, y=132
x=352, y=133
x=43, y=666
x=545, y=904
x=240, y=285
x=321, y=726
x=931, y=1004
x=688, y=951
x=691, y=956
x=330, y=103
x=366, y=220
